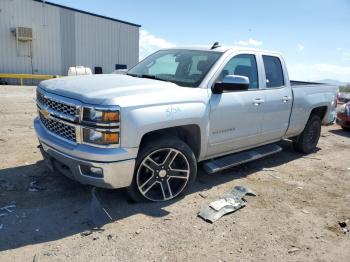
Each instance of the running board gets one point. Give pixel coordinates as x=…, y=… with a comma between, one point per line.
x=221, y=163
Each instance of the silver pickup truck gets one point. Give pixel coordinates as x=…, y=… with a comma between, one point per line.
x=147, y=129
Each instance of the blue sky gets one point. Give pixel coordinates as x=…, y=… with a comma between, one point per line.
x=313, y=35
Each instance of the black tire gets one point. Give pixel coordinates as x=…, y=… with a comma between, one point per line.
x=166, y=182
x=345, y=128
x=307, y=141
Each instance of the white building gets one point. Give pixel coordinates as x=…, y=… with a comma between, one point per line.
x=39, y=37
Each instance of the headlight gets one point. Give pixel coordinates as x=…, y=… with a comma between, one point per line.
x=101, y=116
x=100, y=137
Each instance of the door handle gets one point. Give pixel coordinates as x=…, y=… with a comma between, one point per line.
x=285, y=99
x=258, y=101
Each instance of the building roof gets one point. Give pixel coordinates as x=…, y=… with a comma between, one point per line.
x=87, y=13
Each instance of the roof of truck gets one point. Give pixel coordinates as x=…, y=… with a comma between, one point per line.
x=222, y=49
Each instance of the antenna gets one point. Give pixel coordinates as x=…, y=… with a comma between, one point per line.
x=215, y=45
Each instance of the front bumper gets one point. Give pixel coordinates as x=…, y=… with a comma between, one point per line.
x=118, y=165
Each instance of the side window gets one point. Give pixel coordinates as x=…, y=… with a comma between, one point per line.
x=242, y=65
x=273, y=71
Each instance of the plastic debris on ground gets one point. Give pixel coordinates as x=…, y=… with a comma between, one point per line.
x=229, y=203
x=311, y=157
x=9, y=208
x=268, y=169
x=344, y=225
x=34, y=187
x=86, y=233
x=293, y=250
x=203, y=195
x=5, y=210
x=99, y=215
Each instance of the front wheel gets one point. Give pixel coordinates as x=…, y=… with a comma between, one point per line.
x=164, y=170
x=307, y=141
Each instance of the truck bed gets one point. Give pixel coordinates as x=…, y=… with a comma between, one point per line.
x=295, y=83
x=308, y=95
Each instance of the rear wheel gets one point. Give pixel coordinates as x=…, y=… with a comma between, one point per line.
x=164, y=170
x=307, y=141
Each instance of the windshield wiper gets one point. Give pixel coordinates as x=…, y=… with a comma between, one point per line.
x=147, y=76
x=133, y=75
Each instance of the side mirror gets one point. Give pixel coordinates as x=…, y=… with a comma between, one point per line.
x=231, y=83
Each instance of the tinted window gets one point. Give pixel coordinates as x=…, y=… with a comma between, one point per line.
x=182, y=67
x=242, y=65
x=273, y=71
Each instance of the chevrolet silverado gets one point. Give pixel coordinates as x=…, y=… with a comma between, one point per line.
x=146, y=129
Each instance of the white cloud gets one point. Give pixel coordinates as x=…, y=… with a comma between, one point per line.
x=250, y=42
x=316, y=72
x=346, y=56
x=301, y=47
x=150, y=43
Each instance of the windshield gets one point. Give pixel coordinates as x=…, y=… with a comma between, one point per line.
x=182, y=67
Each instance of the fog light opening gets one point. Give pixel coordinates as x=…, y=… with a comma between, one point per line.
x=91, y=171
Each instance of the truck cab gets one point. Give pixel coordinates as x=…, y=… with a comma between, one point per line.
x=266, y=103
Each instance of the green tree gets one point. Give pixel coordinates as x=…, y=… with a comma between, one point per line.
x=345, y=89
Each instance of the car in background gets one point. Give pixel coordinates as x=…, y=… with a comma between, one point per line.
x=343, y=98
x=343, y=116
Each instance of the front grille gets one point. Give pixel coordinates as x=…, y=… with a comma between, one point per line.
x=56, y=106
x=58, y=128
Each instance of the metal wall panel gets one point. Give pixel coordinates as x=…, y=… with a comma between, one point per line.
x=63, y=38
x=68, y=54
x=101, y=42
x=129, y=45
x=45, y=45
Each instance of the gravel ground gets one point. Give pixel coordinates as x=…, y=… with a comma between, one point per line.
x=295, y=216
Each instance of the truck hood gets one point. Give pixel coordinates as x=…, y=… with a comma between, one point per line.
x=113, y=89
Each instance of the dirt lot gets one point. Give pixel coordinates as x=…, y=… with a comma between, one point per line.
x=294, y=217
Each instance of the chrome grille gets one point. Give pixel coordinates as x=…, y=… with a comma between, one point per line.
x=58, y=128
x=56, y=106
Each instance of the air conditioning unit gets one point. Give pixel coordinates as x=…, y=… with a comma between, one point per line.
x=24, y=34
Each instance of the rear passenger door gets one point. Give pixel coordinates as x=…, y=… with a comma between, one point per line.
x=278, y=99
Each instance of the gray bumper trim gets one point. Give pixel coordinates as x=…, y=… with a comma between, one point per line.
x=115, y=174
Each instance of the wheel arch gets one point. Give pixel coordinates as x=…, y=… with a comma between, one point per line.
x=190, y=134
x=321, y=111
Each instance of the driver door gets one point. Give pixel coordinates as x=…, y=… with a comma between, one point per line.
x=236, y=117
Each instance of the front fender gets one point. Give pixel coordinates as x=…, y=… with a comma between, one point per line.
x=138, y=121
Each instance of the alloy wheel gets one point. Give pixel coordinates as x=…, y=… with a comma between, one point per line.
x=163, y=174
